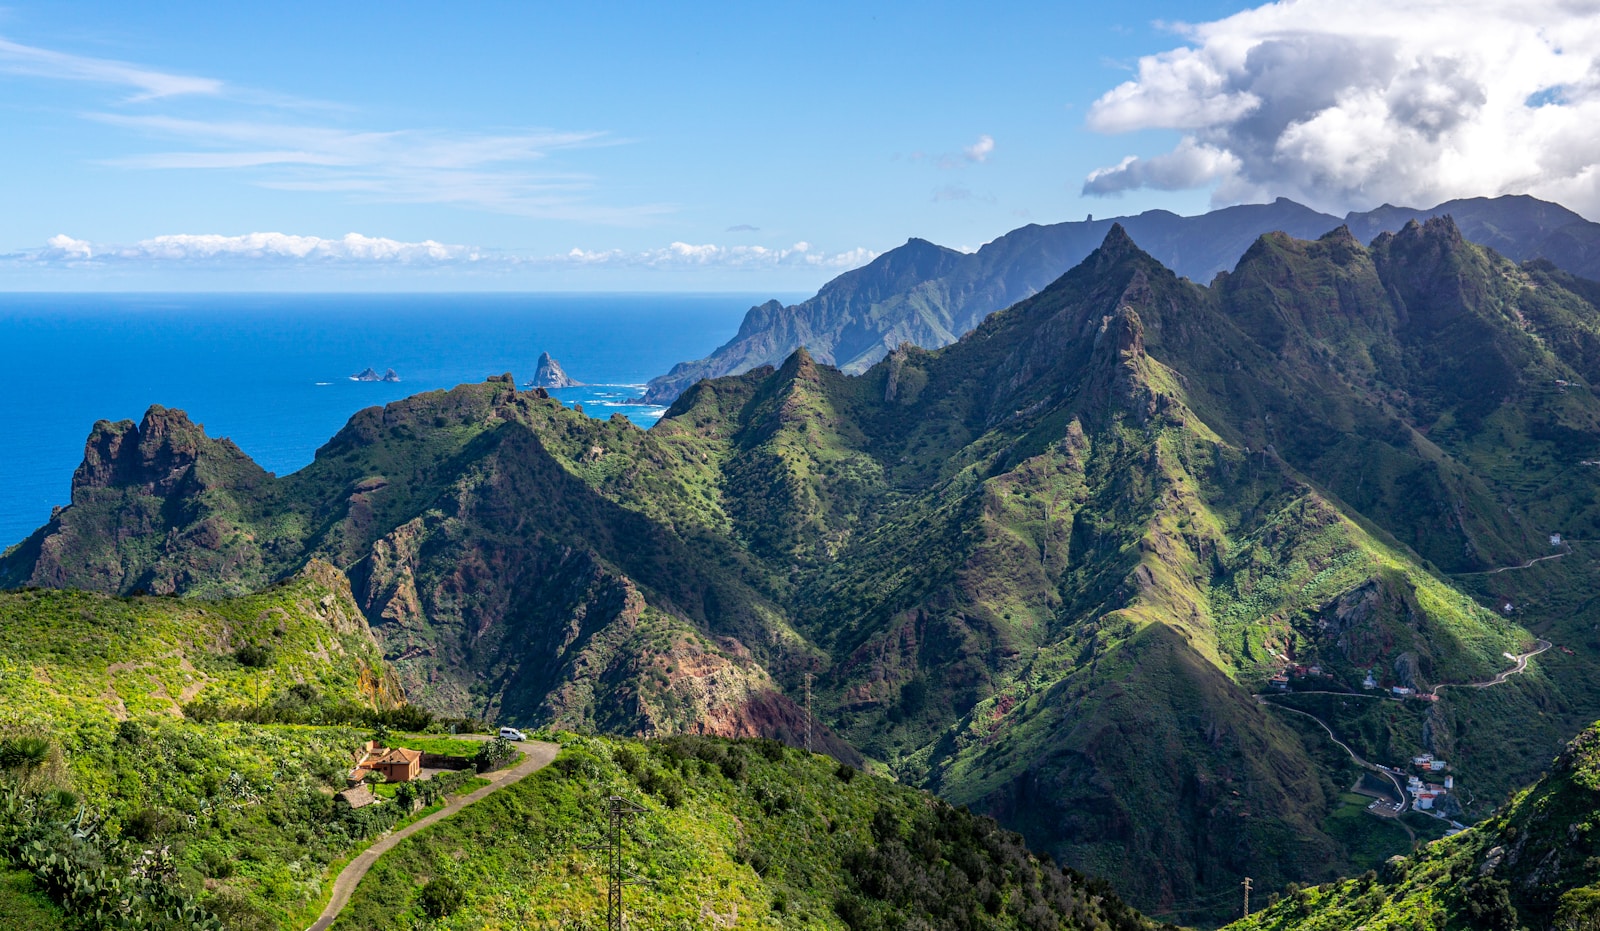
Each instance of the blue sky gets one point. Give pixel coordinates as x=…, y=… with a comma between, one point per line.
x=479, y=145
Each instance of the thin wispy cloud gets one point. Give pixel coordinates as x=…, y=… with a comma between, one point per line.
x=975, y=154
x=489, y=172
x=268, y=140
x=148, y=84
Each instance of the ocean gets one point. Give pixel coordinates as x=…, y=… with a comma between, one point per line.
x=272, y=371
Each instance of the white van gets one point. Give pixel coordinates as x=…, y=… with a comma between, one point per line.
x=511, y=733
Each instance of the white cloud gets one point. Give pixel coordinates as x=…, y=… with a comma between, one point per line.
x=494, y=172
x=686, y=255
x=255, y=248
x=1190, y=165
x=64, y=247
x=354, y=249
x=490, y=172
x=975, y=154
x=1345, y=104
x=150, y=84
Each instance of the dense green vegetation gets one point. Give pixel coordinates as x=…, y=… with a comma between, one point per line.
x=150, y=656
x=733, y=834
x=120, y=809
x=1040, y=571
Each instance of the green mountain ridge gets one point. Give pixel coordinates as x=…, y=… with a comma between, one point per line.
x=929, y=295
x=1039, y=571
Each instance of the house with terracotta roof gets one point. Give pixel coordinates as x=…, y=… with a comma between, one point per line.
x=396, y=764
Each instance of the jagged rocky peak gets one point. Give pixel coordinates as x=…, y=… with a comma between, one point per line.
x=550, y=374
x=153, y=453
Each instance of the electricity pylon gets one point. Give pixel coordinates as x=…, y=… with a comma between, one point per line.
x=617, y=809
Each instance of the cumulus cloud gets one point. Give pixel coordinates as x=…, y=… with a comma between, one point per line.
x=1345, y=104
x=979, y=151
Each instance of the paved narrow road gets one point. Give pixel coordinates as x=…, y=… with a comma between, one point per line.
x=1383, y=811
x=1521, y=666
x=1400, y=792
x=1527, y=565
x=536, y=755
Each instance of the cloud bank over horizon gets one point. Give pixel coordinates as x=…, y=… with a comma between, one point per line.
x=265, y=250
x=1347, y=104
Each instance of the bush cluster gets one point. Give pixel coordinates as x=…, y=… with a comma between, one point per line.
x=91, y=873
x=303, y=703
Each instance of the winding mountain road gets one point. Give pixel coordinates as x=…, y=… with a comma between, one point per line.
x=1521, y=660
x=536, y=755
x=1567, y=548
x=1399, y=789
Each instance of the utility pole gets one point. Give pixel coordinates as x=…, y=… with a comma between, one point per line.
x=1246, y=885
x=617, y=808
x=808, y=712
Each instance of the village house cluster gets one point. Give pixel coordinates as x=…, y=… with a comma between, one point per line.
x=1425, y=794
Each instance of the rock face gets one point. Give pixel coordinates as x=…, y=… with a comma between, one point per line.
x=389, y=375
x=367, y=374
x=549, y=374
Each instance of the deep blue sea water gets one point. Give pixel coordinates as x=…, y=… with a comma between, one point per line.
x=271, y=371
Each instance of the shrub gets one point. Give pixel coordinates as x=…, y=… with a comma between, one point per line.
x=147, y=824
x=254, y=655
x=494, y=754
x=20, y=752
x=441, y=897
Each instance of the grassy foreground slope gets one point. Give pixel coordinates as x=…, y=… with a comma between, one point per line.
x=1535, y=865
x=740, y=834
x=71, y=657
x=110, y=795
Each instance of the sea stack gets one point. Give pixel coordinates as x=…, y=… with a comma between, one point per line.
x=390, y=375
x=551, y=375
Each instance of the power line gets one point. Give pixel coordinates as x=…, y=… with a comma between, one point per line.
x=617, y=809
x=808, y=712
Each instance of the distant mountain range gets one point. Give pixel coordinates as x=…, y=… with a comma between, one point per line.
x=928, y=295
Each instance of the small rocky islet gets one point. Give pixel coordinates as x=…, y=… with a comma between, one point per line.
x=370, y=374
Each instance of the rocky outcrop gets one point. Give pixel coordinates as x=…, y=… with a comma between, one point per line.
x=154, y=457
x=549, y=374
